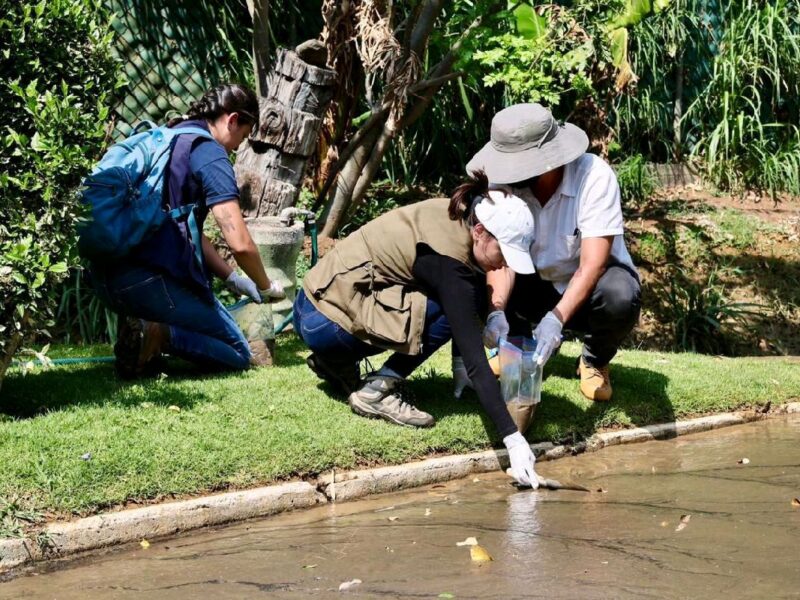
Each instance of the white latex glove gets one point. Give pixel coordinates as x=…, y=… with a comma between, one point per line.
x=496, y=328
x=274, y=292
x=461, y=380
x=548, y=337
x=244, y=286
x=522, y=459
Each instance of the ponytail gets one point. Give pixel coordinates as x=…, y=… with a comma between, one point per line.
x=223, y=99
x=461, y=200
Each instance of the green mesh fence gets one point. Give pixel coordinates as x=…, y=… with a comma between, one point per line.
x=172, y=51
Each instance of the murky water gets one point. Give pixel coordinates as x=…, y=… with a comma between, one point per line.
x=741, y=540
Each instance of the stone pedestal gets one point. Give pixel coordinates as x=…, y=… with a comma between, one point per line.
x=279, y=246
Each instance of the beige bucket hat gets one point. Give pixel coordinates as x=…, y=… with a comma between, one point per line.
x=527, y=141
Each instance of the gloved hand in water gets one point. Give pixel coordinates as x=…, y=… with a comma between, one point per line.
x=548, y=337
x=244, y=286
x=274, y=293
x=522, y=459
x=496, y=328
x=461, y=380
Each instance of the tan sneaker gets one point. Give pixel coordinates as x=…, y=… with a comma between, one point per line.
x=595, y=382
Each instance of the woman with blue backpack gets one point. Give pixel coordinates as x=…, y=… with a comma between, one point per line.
x=161, y=286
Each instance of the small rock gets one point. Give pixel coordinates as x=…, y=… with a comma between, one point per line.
x=346, y=585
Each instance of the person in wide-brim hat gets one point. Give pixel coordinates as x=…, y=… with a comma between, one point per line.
x=526, y=141
x=585, y=279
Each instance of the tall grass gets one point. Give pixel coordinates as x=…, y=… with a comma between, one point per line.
x=81, y=317
x=672, y=54
x=746, y=119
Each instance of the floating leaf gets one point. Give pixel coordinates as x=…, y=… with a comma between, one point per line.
x=144, y=544
x=446, y=595
x=309, y=566
x=393, y=519
x=470, y=541
x=602, y=490
x=479, y=554
x=795, y=502
x=476, y=480
x=427, y=512
x=684, y=522
x=346, y=585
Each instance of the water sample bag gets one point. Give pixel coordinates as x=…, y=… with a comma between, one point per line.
x=520, y=380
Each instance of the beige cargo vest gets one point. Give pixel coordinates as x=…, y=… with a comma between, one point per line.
x=365, y=283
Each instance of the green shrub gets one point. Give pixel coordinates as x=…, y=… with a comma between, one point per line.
x=56, y=77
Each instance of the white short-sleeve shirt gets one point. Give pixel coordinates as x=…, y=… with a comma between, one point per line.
x=586, y=204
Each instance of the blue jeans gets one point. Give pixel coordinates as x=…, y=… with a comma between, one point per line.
x=338, y=347
x=202, y=332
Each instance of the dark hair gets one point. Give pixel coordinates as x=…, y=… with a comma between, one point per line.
x=223, y=99
x=461, y=200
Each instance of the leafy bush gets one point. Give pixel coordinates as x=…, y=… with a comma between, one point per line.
x=559, y=57
x=56, y=77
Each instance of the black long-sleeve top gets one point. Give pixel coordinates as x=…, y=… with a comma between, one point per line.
x=458, y=290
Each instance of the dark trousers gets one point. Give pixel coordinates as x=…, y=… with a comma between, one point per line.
x=338, y=347
x=606, y=318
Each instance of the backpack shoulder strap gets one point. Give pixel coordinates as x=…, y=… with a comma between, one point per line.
x=191, y=130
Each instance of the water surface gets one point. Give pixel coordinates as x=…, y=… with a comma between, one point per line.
x=740, y=539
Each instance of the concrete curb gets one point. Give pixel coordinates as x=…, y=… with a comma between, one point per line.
x=91, y=533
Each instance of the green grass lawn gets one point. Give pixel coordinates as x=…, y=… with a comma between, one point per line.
x=273, y=424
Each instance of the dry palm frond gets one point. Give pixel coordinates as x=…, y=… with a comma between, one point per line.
x=383, y=55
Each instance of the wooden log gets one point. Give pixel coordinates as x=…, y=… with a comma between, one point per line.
x=270, y=166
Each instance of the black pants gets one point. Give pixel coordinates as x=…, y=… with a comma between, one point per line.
x=607, y=316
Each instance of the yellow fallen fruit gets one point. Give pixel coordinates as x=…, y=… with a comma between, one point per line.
x=479, y=554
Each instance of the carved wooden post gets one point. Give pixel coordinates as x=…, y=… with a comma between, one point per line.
x=270, y=167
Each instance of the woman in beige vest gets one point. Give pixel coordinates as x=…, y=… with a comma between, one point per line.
x=409, y=281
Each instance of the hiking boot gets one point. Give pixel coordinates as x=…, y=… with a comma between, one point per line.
x=381, y=397
x=138, y=348
x=344, y=378
x=595, y=381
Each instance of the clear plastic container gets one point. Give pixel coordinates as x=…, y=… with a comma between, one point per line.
x=520, y=380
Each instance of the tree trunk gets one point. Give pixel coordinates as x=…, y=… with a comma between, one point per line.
x=677, y=111
x=11, y=347
x=346, y=181
x=270, y=167
x=259, y=13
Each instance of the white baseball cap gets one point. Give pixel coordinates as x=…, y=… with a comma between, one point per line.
x=508, y=218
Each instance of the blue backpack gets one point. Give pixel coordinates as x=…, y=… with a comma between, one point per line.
x=126, y=194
